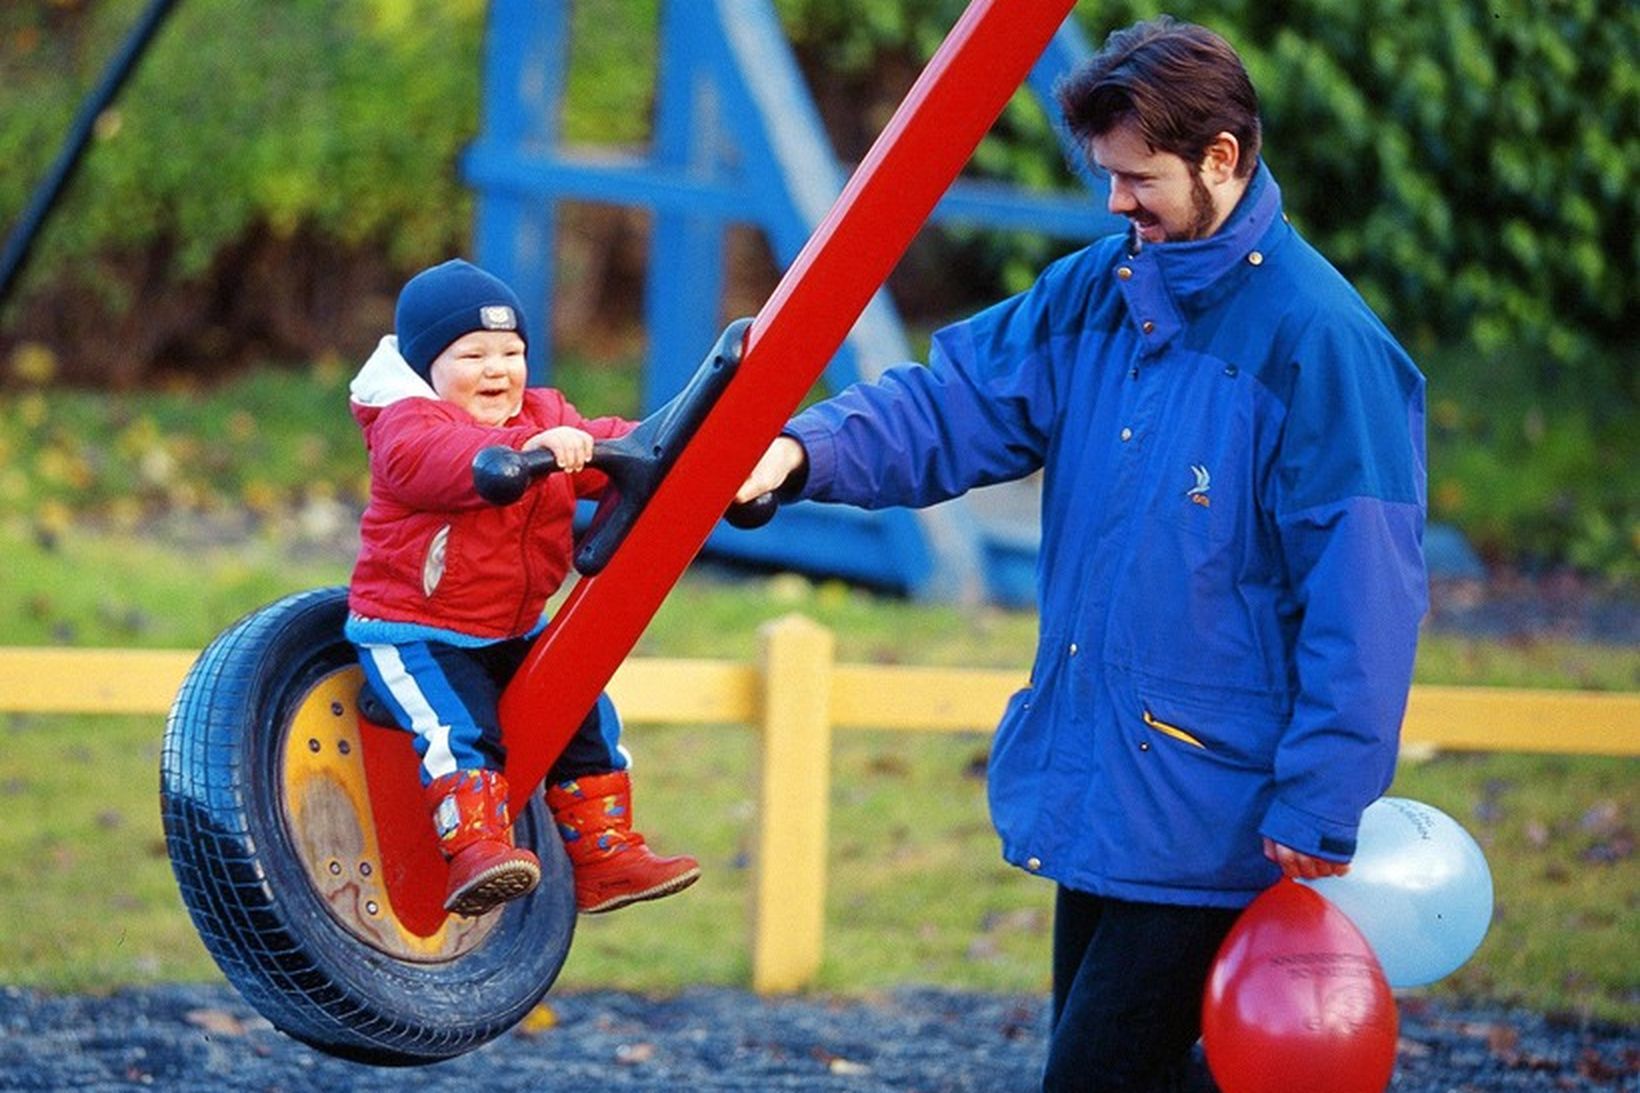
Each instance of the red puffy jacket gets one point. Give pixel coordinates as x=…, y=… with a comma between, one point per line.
x=435, y=558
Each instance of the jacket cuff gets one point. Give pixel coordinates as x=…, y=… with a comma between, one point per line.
x=820, y=460
x=1308, y=833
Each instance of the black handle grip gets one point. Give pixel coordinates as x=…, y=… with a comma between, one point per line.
x=502, y=474
x=748, y=515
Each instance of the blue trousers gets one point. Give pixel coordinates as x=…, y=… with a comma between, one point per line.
x=449, y=697
x=1128, y=980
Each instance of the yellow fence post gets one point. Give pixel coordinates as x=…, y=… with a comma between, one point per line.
x=789, y=881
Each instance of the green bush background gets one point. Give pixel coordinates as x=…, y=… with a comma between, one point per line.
x=275, y=169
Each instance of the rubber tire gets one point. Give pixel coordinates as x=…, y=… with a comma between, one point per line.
x=252, y=902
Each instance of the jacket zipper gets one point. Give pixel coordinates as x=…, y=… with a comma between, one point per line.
x=1172, y=730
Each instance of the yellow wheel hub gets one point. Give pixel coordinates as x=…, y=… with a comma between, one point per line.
x=328, y=815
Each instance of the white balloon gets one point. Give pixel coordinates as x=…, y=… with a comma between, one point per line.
x=1418, y=889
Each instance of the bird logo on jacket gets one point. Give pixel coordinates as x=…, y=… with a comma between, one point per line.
x=1204, y=482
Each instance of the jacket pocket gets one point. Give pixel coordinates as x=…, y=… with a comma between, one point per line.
x=1171, y=730
x=1234, y=728
x=1190, y=795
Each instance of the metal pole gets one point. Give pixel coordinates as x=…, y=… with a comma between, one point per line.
x=21, y=240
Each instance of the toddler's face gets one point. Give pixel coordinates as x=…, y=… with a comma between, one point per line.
x=483, y=373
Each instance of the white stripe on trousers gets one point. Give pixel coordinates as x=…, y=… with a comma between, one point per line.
x=424, y=721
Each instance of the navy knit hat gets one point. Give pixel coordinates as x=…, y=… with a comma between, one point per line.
x=440, y=304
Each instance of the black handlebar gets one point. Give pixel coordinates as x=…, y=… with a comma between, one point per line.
x=749, y=515
x=502, y=474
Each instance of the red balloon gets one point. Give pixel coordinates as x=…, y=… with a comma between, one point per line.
x=1297, y=1002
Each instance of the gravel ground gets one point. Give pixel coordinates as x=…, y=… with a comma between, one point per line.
x=205, y=1038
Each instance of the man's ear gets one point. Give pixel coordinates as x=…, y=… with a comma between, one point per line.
x=1221, y=159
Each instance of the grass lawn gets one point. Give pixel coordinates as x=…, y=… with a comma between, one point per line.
x=917, y=892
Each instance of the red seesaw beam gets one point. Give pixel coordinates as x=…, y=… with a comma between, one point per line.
x=922, y=150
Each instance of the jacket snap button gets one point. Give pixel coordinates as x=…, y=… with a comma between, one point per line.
x=1124, y=272
x=1033, y=864
x=1073, y=648
x=1256, y=258
x=1148, y=327
x=1231, y=370
x=1127, y=434
x=1144, y=746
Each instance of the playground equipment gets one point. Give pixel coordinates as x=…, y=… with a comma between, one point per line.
x=295, y=825
x=738, y=139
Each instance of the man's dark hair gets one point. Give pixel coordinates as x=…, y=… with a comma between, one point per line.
x=1180, y=84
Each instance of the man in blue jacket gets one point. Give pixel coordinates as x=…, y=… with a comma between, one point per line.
x=1231, y=575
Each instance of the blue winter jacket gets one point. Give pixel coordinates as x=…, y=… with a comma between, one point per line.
x=1231, y=575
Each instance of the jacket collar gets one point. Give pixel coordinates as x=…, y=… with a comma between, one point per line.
x=1158, y=278
x=1191, y=267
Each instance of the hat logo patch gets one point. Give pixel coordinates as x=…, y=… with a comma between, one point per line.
x=497, y=317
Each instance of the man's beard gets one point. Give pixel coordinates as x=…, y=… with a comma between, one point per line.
x=1202, y=211
x=1202, y=215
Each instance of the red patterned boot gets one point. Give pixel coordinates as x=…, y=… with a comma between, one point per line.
x=613, y=865
x=474, y=833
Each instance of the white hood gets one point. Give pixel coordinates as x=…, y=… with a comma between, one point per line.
x=387, y=377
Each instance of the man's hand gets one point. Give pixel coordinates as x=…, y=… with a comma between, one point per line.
x=1297, y=866
x=571, y=447
x=784, y=456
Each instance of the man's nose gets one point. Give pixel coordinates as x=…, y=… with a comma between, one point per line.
x=1120, y=202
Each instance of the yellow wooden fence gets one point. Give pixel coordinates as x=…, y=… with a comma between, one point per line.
x=796, y=696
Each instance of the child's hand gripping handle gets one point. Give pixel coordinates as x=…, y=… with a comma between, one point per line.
x=502, y=474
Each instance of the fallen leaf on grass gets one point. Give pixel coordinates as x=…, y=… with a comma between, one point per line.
x=1602, y=818
x=1021, y=920
x=982, y=949
x=891, y=766
x=1609, y=851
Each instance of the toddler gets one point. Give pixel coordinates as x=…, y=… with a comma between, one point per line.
x=448, y=592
